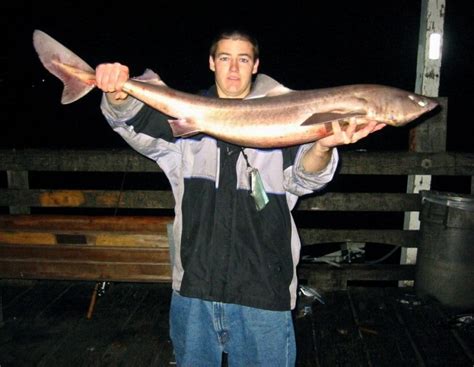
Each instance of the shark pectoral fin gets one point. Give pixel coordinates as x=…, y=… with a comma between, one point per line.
x=183, y=128
x=323, y=117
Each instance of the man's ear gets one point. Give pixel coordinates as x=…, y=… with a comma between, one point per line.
x=255, y=66
x=212, y=65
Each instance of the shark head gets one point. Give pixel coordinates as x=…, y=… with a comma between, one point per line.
x=418, y=105
x=406, y=107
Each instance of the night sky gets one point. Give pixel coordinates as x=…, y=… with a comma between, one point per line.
x=321, y=44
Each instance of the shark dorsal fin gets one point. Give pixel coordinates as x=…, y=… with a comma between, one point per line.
x=149, y=76
x=266, y=86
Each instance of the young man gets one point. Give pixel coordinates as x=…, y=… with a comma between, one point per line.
x=234, y=274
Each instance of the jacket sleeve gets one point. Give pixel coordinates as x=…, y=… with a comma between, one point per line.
x=299, y=182
x=133, y=114
x=144, y=128
x=147, y=131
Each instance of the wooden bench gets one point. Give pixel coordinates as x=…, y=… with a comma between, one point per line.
x=85, y=247
x=73, y=247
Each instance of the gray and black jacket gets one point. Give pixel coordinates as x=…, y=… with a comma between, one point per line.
x=225, y=250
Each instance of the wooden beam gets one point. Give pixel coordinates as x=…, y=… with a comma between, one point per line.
x=148, y=199
x=356, y=201
x=18, y=180
x=76, y=161
x=427, y=137
x=382, y=236
x=75, y=254
x=358, y=163
x=89, y=198
x=130, y=224
x=119, y=272
x=104, y=239
x=327, y=277
x=407, y=163
x=111, y=231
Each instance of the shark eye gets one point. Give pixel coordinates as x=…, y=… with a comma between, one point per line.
x=419, y=101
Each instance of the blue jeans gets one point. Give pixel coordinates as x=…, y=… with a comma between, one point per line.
x=201, y=331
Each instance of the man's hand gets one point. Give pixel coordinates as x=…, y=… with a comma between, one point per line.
x=358, y=129
x=318, y=157
x=110, y=78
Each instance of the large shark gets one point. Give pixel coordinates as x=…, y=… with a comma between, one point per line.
x=277, y=117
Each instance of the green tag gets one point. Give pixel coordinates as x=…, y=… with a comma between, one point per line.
x=258, y=192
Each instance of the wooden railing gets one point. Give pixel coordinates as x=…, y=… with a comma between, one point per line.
x=365, y=204
x=136, y=184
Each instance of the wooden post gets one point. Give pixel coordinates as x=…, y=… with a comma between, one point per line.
x=93, y=301
x=426, y=137
x=1, y=309
x=18, y=180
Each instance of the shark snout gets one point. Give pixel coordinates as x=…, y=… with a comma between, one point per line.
x=427, y=104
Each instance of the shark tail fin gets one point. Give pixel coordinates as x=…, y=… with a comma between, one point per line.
x=77, y=76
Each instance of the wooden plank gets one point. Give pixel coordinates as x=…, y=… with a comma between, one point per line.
x=117, y=305
x=123, y=231
x=86, y=344
x=146, y=332
x=324, y=276
x=84, y=238
x=82, y=271
x=103, y=271
x=307, y=355
x=34, y=301
x=48, y=329
x=69, y=223
x=406, y=163
x=120, y=240
x=13, y=290
x=336, y=335
x=26, y=331
x=84, y=253
x=383, y=337
x=61, y=319
x=148, y=199
x=31, y=238
x=376, y=163
x=355, y=201
x=129, y=328
x=430, y=333
x=382, y=236
x=144, y=199
x=76, y=161
x=18, y=180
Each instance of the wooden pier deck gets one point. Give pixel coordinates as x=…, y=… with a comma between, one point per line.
x=45, y=324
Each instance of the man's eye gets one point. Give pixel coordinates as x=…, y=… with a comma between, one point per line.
x=244, y=60
x=223, y=58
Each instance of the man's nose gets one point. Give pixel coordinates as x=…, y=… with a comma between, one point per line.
x=234, y=65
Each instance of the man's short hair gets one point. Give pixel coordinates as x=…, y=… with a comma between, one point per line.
x=235, y=34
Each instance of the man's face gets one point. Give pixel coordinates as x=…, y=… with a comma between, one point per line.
x=233, y=66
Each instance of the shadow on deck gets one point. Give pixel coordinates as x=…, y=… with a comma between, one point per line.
x=45, y=324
